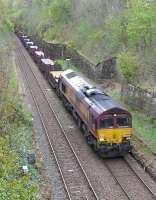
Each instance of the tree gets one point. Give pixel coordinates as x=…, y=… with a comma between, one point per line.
x=141, y=27
x=129, y=65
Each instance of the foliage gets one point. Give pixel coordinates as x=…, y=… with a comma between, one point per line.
x=135, y=27
x=15, y=121
x=16, y=129
x=129, y=65
x=5, y=17
x=113, y=36
x=13, y=185
x=60, y=11
x=66, y=64
x=20, y=189
x=93, y=27
x=141, y=27
x=85, y=32
x=133, y=31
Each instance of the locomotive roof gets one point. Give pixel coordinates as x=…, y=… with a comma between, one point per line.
x=97, y=99
x=47, y=61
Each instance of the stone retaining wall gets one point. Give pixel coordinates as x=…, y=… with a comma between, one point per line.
x=107, y=69
x=104, y=70
x=139, y=99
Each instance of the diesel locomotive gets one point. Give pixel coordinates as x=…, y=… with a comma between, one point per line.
x=106, y=124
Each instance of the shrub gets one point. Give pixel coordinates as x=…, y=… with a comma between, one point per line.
x=129, y=65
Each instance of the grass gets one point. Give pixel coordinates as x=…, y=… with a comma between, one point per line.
x=15, y=135
x=144, y=130
x=66, y=64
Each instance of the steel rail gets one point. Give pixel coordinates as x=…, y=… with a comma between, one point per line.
x=46, y=131
x=141, y=180
x=134, y=172
x=116, y=180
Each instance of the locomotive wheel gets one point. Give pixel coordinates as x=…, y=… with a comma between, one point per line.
x=79, y=123
x=95, y=146
x=58, y=92
x=90, y=140
x=84, y=129
x=74, y=113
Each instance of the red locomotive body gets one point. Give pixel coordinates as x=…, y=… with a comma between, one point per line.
x=105, y=123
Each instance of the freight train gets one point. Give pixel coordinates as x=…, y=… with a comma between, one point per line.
x=106, y=124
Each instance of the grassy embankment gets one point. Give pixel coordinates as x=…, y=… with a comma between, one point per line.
x=15, y=132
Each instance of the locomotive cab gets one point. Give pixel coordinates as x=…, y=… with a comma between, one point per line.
x=114, y=127
x=114, y=131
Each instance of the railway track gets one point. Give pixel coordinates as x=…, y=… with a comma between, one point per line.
x=128, y=180
x=75, y=180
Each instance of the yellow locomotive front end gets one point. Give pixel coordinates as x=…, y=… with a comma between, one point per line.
x=114, y=132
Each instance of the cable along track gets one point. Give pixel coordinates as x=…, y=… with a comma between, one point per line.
x=132, y=185
x=74, y=178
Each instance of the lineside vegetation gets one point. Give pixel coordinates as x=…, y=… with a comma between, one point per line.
x=99, y=29
x=15, y=122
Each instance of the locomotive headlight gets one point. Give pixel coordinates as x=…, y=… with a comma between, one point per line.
x=126, y=136
x=101, y=139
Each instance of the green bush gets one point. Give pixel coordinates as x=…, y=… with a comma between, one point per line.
x=141, y=26
x=15, y=130
x=60, y=11
x=129, y=65
x=19, y=189
x=13, y=185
